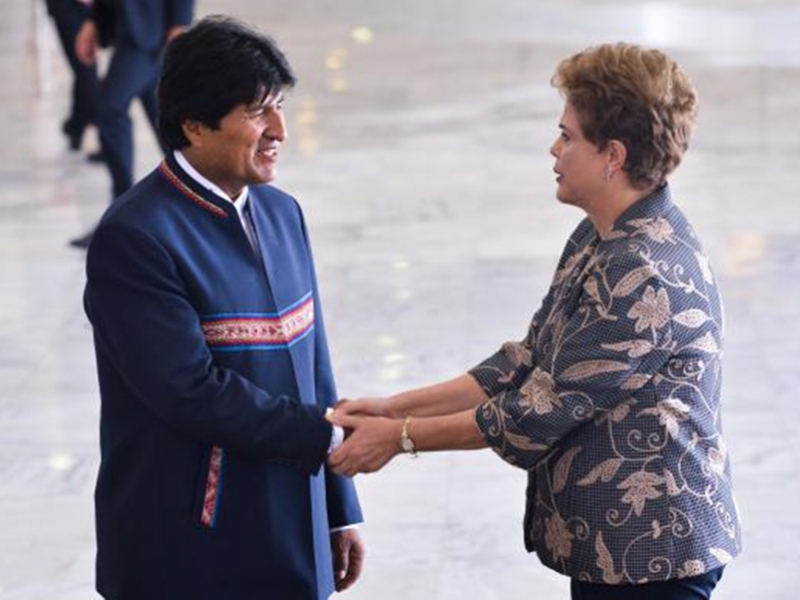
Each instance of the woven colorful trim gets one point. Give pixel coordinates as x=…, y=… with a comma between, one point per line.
x=260, y=331
x=213, y=488
x=189, y=192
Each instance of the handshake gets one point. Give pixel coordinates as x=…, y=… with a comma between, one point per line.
x=378, y=429
x=373, y=436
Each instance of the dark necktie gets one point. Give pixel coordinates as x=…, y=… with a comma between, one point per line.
x=250, y=228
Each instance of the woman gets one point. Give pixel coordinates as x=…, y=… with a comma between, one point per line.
x=611, y=402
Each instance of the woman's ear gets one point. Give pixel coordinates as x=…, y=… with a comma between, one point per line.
x=617, y=155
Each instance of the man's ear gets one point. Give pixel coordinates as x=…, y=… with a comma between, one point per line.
x=194, y=132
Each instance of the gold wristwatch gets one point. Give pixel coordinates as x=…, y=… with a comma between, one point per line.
x=406, y=441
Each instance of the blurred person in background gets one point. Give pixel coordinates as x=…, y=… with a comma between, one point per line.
x=212, y=358
x=68, y=17
x=611, y=402
x=138, y=30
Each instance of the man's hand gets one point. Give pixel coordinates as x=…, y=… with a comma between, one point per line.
x=348, y=558
x=371, y=442
x=87, y=42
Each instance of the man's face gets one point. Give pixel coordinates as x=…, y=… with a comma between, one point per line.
x=244, y=150
x=579, y=164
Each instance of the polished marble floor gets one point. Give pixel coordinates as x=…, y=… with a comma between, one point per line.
x=419, y=136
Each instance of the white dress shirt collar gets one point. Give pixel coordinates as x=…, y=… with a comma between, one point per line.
x=239, y=203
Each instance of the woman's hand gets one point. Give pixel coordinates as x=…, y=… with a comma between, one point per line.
x=366, y=407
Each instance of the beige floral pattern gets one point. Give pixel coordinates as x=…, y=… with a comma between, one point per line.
x=641, y=487
x=670, y=412
x=518, y=354
x=634, y=348
x=612, y=404
x=692, y=568
x=606, y=562
x=557, y=538
x=706, y=343
x=705, y=267
x=539, y=393
x=718, y=457
x=658, y=229
x=652, y=311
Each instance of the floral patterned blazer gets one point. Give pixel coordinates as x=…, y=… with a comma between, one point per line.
x=612, y=405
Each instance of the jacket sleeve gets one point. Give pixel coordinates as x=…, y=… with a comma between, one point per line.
x=508, y=367
x=147, y=328
x=343, y=505
x=610, y=345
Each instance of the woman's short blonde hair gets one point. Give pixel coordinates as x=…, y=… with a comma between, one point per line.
x=635, y=95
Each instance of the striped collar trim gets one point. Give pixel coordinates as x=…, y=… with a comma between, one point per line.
x=171, y=176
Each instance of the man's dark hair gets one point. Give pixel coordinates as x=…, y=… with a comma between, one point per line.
x=216, y=65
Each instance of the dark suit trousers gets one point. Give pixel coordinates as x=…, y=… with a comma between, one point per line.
x=689, y=588
x=132, y=73
x=68, y=17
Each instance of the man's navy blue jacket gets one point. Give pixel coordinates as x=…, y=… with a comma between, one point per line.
x=214, y=378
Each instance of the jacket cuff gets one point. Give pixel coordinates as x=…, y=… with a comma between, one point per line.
x=492, y=373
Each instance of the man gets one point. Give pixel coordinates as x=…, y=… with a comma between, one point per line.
x=68, y=17
x=211, y=352
x=138, y=29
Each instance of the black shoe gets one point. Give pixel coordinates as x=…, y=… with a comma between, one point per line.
x=83, y=241
x=74, y=133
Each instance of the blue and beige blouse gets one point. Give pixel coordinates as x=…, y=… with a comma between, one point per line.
x=612, y=404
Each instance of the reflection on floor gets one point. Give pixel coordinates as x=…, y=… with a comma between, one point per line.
x=419, y=136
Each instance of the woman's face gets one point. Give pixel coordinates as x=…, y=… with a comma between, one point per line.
x=580, y=166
